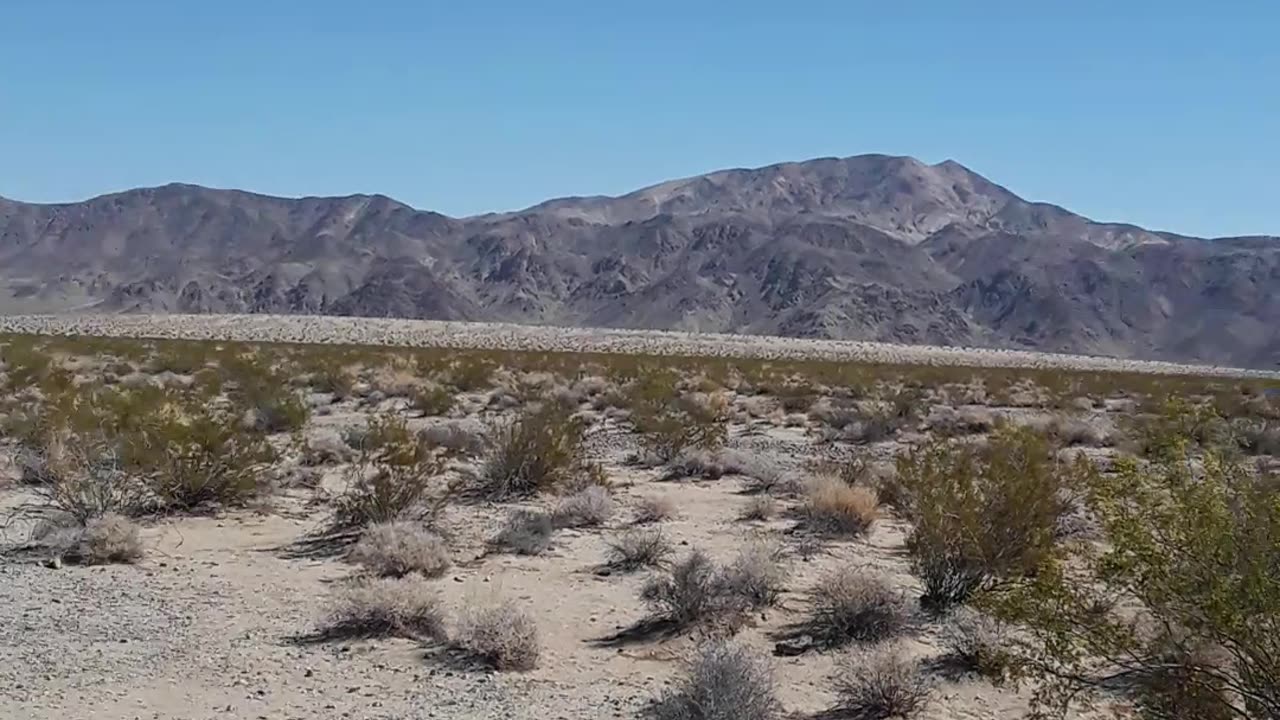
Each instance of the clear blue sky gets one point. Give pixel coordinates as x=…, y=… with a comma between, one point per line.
x=1166, y=114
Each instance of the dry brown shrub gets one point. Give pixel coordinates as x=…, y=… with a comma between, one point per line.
x=832, y=506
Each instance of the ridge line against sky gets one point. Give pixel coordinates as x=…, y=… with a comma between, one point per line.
x=1157, y=114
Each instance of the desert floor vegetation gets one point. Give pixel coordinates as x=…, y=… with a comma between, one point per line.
x=391, y=532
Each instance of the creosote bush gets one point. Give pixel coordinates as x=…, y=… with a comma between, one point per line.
x=393, y=479
x=386, y=607
x=880, y=684
x=983, y=514
x=724, y=682
x=671, y=423
x=396, y=549
x=432, y=400
x=1181, y=604
x=200, y=460
x=502, y=635
x=540, y=451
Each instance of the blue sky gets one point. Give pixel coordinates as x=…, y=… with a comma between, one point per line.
x=1164, y=114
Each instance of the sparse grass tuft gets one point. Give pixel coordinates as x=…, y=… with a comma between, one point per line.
x=691, y=593
x=760, y=507
x=102, y=540
x=978, y=643
x=758, y=576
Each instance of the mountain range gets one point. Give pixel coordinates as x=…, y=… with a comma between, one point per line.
x=870, y=247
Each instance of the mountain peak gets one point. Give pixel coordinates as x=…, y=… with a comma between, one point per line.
x=875, y=247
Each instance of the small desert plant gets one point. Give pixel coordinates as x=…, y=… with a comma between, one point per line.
x=525, y=532
x=540, y=451
x=691, y=593
x=652, y=509
x=724, y=682
x=832, y=506
x=1182, y=603
x=432, y=400
x=83, y=479
x=470, y=375
x=670, y=423
x=1257, y=437
x=984, y=514
x=455, y=436
x=101, y=540
x=391, y=480
x=201, y=460
x=590, y=507
x=758, y=576
x=502, y=635
x=978, y=643
x=396, y=549
x=880, y=685
x=760, y=507
x=851, y=605
x=635, y=549
x=386, y=607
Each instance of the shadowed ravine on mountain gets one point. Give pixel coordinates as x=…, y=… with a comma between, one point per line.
x=870, y=247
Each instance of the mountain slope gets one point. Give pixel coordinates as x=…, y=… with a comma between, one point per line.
x=868, y=247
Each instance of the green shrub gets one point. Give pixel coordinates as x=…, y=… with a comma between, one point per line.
x=983, y=514
x=1181, y=604
x=670, y=423
x=189, y=462
x=540, y=451
x=432, y=400
x=393, y=478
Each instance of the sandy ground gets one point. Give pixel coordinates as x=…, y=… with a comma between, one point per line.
x=206, y=625
x=426, y=333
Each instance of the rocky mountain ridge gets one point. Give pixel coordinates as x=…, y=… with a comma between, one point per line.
x=869, y=247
